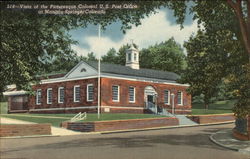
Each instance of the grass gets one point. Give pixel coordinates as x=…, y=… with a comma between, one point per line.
x=3, y=107
x=56, y=119
x=219, y=107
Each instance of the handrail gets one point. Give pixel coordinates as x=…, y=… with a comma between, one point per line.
x=79, y=116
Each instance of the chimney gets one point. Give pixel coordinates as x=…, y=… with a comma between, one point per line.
x=132, y=57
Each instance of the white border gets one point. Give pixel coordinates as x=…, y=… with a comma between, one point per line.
x=74, y=93
x=48, y=96
x=37, y=97
x=117, y=92
x=88, y=100
x=59, y=88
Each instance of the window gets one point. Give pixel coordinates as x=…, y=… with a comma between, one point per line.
x=77, y=93
x=129, y=56
x=49, y=95
x=180, y=98
x=115, y=93
x=167, y=97
x=132, y=94
x=38, y=96
x=135, y=56
x=90, y=92
x=60, y=95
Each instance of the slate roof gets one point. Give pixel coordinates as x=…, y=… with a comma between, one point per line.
x=125, y=70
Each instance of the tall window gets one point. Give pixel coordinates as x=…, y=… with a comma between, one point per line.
x=135, y=57
x=132, y=94
x=115, y=93
x=38, y=96
x=90, y=92
x=129, y=56
x=49, y=96
x=180, y=98
x=167, y=97
x=60, y=95
x=77, y=93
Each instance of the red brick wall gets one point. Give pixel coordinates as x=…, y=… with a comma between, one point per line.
x=68, y=100
x=203, y=119
x=120, y=124
x=25, y=130
x=19, y=102
x=106, y=95
x=139, y=89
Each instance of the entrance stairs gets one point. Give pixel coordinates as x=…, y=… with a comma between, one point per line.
x=183, y=120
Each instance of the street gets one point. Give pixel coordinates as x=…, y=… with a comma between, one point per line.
x=176, y=143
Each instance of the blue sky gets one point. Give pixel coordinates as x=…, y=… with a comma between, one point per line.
x=154, y=29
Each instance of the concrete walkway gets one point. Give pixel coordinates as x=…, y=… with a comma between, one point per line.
x=225, y=139
x=183, y=120
x=54, y=130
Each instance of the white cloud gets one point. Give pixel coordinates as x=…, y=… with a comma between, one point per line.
x=153, y=29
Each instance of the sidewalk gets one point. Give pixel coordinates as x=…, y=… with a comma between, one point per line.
x=225, y=139
x=55, y=131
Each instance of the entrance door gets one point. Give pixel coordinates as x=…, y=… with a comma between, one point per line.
x=150, y=98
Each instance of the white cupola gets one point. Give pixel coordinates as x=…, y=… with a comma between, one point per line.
x=132, y=57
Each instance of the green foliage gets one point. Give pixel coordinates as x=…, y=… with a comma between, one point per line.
x=166, y=56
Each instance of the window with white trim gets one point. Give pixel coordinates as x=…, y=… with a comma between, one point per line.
x=129, y=56
x=166, y=96
x=77, y=93
x=49, y=96
x=38, y=96
x=135, y=57
x=115, y=93
x=61, y=95
x=90, y=92
x=131, y=94
x=180, y=98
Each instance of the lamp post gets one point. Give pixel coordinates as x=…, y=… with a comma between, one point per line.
x=172, y=95
x=156, y=109
x=99, y=75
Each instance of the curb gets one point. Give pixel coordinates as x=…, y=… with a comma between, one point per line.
x=33, y=136
x=222, y=145
x=227, y=147
x=165, y=127
x=120, y=131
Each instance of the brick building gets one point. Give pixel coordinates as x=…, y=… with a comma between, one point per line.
x=123, y=89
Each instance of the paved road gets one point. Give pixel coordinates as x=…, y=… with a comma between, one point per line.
x=178, y=143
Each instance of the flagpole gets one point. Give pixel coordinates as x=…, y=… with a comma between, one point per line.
x=99, y=73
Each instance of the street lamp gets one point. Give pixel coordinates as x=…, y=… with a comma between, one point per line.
x=156, y=110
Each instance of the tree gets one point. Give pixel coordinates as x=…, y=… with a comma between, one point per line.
x=205, y=70
x=91, y=57
x=110, y=57
x=225, y=17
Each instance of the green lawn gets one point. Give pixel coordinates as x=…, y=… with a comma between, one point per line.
x=219, y=107
x=3, y=107
x=50, y=118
